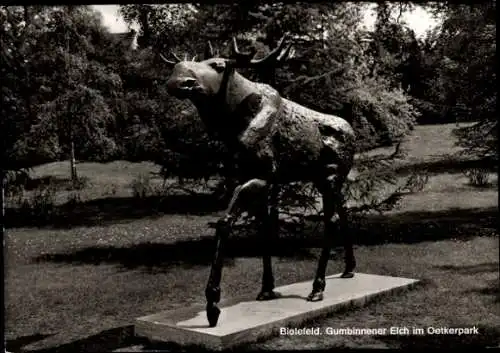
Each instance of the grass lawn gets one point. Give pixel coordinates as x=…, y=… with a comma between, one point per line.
x=79, y=287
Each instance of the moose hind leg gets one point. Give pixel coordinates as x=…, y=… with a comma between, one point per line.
x=319, y=280
x=335, y=218
x=349, y=259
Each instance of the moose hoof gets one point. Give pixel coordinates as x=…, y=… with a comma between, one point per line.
x=315, y=297
x=213, y=313
x=268, y=295
x=347, y=274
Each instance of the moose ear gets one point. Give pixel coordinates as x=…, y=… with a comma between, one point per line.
x=218, y=66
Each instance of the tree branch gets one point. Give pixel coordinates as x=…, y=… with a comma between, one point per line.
x=306, y=79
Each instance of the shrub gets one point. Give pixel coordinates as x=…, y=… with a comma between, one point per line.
x=141, y=186
x=41, y=203
x=478, y=177
x=110, y=190
x=15, y=182
x=479, y=140
x=79, y=184
x=73, y=200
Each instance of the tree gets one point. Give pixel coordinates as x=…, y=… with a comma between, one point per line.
x=471, y=32
x=462, y=72
x=86, y=116
x=37, y=88
x=16, y=111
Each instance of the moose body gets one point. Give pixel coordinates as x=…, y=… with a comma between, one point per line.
x=270, y=135
x=275, y=141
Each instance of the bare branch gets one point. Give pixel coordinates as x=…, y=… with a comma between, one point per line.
x=209, y=51
x=401, y=9
x=307, y=79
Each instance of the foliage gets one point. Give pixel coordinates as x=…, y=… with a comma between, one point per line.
x=368, y=191
x=393, y=47
x=17, y=113
x=39, y=206
x=330, y=73
x=471, y=32
x=458, y=69
x=85, y=104
x=55, y=90
x=65, y=82
x=478, y=177
x=15, y=182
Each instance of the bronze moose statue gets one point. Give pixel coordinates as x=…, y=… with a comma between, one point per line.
x=276, y=141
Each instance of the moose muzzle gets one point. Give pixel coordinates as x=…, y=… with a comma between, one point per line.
x=182, y=87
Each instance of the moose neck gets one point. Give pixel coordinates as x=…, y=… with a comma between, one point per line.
x=233, y=90
x=237, y=89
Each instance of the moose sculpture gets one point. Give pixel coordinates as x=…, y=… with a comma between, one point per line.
x=276, y=141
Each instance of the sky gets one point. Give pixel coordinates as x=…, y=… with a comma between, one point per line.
x=419, y=19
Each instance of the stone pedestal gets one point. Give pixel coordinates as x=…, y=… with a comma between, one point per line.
x=245, y=320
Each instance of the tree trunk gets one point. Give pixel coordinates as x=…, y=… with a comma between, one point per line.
x=27, y=90
x=146, y=30
x=27, y=16
x=72, y=160
x=3, y=183
x=74, y=175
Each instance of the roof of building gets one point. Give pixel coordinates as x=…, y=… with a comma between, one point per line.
x=127, y=39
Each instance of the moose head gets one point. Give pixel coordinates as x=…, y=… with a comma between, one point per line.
x=198, y=79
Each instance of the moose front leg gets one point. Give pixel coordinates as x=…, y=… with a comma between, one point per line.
x=212, y=291
x=268, y=235
x=242, y=195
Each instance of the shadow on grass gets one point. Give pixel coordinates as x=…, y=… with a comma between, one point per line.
x=104, y=341
x=472, y=269
x=156, y=346
x=120, y=339
x=415, y=227
x=113, y=210
x=487, y=337
x=448, y=166
x=15, y=345
x=186, y=253
x=491, y=289
x=398, y=228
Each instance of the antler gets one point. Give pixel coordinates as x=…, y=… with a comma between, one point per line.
x=275, y=56
x=177, y=59
x=242, y=57
x=169, y=62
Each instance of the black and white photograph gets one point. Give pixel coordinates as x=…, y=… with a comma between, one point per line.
x=249, y=176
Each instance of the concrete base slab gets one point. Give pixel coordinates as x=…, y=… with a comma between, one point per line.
x=245, y=320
